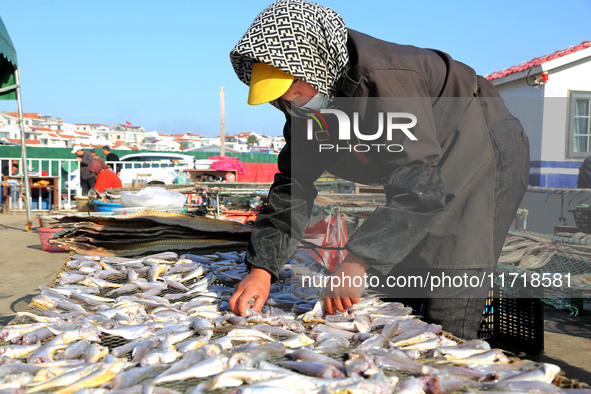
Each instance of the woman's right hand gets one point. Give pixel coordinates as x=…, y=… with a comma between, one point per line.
x=256, y=285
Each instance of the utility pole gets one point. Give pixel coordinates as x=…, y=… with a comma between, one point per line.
x=222, y=124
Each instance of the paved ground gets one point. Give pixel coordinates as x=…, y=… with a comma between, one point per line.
x=24, y=267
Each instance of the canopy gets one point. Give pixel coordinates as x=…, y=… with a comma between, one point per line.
x=7, y=64
x=10, y=90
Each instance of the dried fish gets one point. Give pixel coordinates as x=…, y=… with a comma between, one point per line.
x=164, y=314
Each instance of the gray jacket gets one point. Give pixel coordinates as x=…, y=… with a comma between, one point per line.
x=440, y=191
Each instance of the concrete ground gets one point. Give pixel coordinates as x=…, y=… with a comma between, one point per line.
x=24, y=267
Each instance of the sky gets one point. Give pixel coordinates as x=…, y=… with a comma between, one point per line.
x=160, y=64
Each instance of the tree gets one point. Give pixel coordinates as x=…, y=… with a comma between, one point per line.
x=252, y=140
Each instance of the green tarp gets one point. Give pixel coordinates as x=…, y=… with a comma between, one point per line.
x=7, y=63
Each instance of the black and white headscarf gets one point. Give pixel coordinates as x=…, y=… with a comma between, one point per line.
x=302, y=38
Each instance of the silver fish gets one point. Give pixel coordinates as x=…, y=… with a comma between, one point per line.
x=18, y=351
x=313, y=368
x=238, y=376
x=131, y=377
x=64, y=379
x=202, y=369
x=129, y=332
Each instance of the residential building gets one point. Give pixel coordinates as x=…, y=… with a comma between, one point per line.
x=125, y=132
x=188, y=140
x=551, y=96
x=99, y=131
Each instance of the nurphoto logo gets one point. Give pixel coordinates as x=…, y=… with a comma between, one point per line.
x=388, y=122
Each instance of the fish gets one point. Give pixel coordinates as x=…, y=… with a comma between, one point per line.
x=377, y=383
x=51, y=369
x=443, y=383
x=45, y=353
x=192, y=344
x=97, y=282
x=320, y=328
x=409, y=340
x=15, y=381
x=298, y=341
x=487, y=357
x=463, y=350
x=131, y=377
x=386, y=363
x=18, y=351
x=96, y=378
x=293, y=383
x=94, y=352
x=546, y=373
x=248, y=334
x=75, y=350
x=165, y=315
x=239, y=376
x=91, y=299
x=191, y=358
x=13, y=331
x=33, y=337
x=159, y=357
x=202, y=369
x=155, y=271
x=433, y=343
x=64, y=379
x=13, y=369
x=129, y=332
x=313, y=368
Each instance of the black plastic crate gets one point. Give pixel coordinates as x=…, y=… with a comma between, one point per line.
x=513, y=324
x=582, y=215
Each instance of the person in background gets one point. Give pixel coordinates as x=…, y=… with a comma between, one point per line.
x=98, y=164
x=10, y=168
x=105, y=177
x=87, y=177
x=584, y=179
x=106, y=180
x=110, y=156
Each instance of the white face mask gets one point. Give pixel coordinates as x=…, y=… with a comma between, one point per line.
x=316, y=103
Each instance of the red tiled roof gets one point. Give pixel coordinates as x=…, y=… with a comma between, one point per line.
x=30, y=115
x=537, y=61
x=27, y=142
x=128, y=127
x=119, y=144
x=82, y=133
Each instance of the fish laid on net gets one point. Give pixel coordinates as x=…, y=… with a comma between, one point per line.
x=161, y=323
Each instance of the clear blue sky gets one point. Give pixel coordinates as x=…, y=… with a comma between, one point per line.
x=160, y=64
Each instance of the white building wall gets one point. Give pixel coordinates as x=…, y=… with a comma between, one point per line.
x=544, y=113
x=570, y=77
x=526, y=104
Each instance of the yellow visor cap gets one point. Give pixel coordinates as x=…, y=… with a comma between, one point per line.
x=267, y=83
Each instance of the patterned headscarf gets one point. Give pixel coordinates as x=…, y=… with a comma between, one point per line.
x=302, y=38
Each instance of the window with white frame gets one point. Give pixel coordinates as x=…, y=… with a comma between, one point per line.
x=579, y=124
